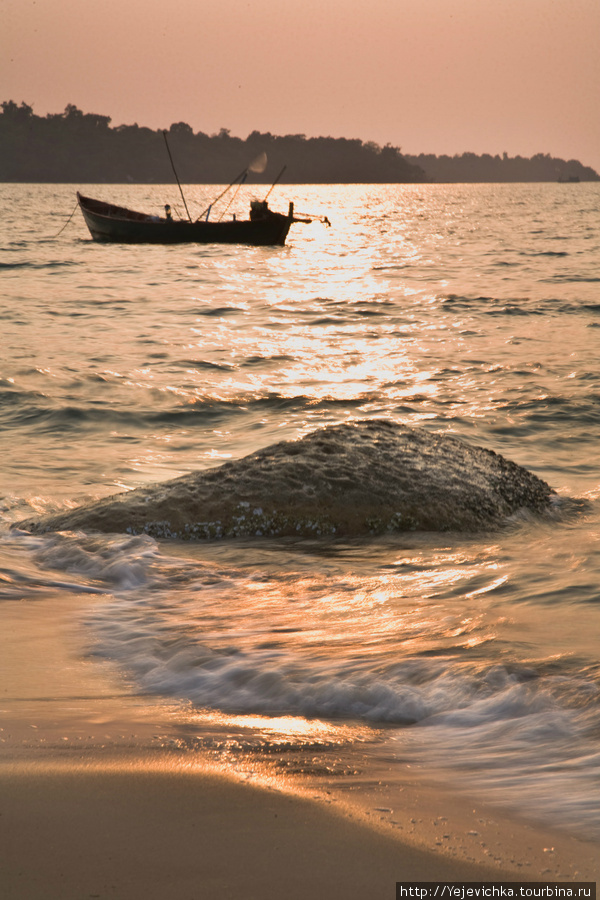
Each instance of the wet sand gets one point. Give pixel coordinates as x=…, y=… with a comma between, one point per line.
x=105, y=794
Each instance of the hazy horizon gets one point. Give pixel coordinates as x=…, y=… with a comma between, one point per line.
x=428, y=76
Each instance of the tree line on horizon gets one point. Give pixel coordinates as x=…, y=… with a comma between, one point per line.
x=78, y=147
x=469, y=167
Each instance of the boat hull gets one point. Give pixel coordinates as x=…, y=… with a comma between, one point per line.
x=108, y=223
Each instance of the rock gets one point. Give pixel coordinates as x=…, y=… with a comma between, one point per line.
x=370, y=477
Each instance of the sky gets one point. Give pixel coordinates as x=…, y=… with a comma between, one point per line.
x=428, y=76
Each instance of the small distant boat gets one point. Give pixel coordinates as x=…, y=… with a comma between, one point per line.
x=117, y=224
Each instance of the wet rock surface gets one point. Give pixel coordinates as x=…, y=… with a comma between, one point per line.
x=371, y=477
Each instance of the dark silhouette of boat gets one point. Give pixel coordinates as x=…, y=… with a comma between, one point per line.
x=117, y=224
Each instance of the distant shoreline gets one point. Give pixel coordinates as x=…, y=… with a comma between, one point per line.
x=74, y=147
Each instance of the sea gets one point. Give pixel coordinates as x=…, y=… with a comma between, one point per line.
x=467, y=310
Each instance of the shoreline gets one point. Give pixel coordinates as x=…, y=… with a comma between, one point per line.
x=108, y=793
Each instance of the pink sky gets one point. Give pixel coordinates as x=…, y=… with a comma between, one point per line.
x=432, y=76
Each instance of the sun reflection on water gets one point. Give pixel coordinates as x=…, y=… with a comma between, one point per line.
x=406, y=608
x=279, y=729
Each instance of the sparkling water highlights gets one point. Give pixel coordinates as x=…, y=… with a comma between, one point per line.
x=470, y=311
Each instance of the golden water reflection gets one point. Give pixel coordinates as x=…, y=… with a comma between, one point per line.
x=352, y=601
x=283, y=729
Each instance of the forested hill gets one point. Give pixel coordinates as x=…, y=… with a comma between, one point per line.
x=470, y=167
x=83, y=148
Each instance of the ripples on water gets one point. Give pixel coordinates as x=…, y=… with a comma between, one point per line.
x=468, y=309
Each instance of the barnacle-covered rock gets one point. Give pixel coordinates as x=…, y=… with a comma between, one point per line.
x=368, y=477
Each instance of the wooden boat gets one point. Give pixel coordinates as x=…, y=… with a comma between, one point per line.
x=110, y=223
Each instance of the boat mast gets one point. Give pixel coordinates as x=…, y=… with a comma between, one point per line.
x=176, y=176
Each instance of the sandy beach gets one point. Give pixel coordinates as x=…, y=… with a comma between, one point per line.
x=101, y=796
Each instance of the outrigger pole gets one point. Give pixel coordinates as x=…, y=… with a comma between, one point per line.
x=243, y=175
x=274, y=183
x=257, y=165
x=176, y=176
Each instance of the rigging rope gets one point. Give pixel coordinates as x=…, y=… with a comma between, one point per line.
x=68, y=220
x=234, y=196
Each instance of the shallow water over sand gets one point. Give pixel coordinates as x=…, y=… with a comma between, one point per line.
x=468, y=310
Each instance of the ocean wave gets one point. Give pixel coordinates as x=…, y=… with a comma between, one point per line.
x=229, y=637
x=524, y=735
x=36, y=264
x=270, y=681
x=555, y=410
x=39, y=413
x=523, y=747
x=571, y=278
x=218, y=311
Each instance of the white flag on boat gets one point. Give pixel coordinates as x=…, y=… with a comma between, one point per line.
x=259, y=164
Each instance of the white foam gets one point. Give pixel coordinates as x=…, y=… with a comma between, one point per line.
x=519, y=735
